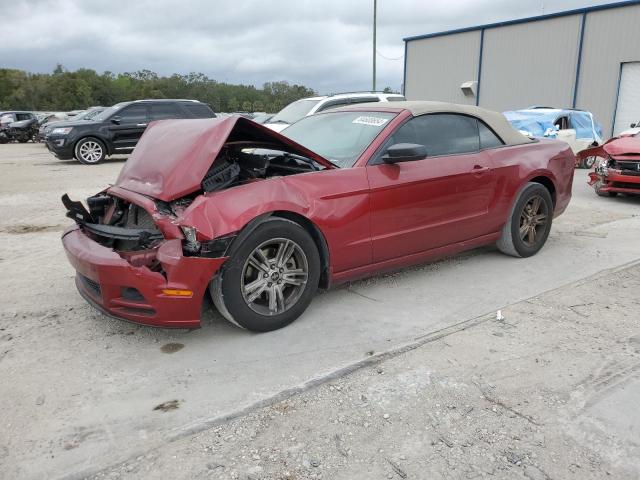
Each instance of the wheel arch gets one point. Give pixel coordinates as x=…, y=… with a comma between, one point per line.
x=548, y=183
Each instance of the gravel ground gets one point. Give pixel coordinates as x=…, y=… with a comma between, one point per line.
x=549, y=392
x=82, y=392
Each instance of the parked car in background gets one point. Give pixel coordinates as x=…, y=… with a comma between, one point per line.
x=618, y=167
x=18, y=126
x=308, y=106
x=576, y=127
x=263, y=117
x=57, y=122
x=260, y=220
x=117, y=129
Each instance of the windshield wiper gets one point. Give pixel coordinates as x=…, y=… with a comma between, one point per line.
x=308, y=160
x=277, y=121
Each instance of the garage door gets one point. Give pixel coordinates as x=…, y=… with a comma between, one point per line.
x=628, y=110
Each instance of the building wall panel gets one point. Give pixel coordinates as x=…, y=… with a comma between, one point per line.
x=437, y=66
x=530, y=63
x=611, y=37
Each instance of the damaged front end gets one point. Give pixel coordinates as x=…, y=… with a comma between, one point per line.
x=618, y=167
x=147, y=248
x=133, y=261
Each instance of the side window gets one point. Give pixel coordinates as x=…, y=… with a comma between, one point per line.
x=488, y=139
x=133, y=114
x=161, y=111
x=199, y=110
x=363, y=100
x=333, y=104
x=23, y=116
x=443, y=133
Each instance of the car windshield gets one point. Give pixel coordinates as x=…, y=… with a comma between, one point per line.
x=294, y=111
x=340, y=137
x=107, y=112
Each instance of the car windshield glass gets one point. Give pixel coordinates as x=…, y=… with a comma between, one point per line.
x=294, y=111
x=107, y=112
x=339, y=136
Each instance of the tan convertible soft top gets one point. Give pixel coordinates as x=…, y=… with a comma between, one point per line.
x=495, y=120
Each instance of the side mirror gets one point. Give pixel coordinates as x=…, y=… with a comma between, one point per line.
x=634, y=125
x=117, y=119
x=404, y=152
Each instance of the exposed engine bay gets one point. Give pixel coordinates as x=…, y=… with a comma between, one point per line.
x=236, y=164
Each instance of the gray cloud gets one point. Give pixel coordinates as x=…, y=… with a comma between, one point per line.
x=322, y=44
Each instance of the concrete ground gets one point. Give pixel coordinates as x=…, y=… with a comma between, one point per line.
x=83, y=392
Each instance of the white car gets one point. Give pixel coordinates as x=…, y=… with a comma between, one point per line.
x=308, y=106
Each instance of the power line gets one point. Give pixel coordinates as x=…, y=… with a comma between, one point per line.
x=389, y=58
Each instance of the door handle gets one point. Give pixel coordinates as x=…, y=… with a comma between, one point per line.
x=479, y=170
x=142, y=124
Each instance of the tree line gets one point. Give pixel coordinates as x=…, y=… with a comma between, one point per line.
x=63, y=90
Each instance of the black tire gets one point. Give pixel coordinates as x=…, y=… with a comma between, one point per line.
x=229, y=288
x=23, y=139
x=512, y=241
x=90, y=151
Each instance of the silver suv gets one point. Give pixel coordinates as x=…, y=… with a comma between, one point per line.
x=308, y=106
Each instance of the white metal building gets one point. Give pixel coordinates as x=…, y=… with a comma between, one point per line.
x=587, y=59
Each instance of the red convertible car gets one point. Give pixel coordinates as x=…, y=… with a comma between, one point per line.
x=618, y=170
x=260, y=220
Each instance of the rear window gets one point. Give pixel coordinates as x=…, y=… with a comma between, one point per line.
x=396, y=99
x=199, y=110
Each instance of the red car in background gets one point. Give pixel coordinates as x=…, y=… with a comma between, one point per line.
x=618, y=170
x=260, y=220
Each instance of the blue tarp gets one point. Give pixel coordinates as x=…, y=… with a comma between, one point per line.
x=540, y=122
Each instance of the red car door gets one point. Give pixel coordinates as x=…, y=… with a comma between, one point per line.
x=442, y=199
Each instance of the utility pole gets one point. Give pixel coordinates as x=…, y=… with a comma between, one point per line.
x=375, y=8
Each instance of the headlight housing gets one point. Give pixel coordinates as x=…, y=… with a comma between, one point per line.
x=61, y=131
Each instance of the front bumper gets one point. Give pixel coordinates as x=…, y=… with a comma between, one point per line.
x=135, y=293
x=615, y=181
x=60, y=146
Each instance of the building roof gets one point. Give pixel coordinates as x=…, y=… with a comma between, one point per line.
x=565, y=13
x=495, y=120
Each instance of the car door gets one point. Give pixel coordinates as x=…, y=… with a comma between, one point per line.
x=566, y=133
x=128, y=125
x=441, y=199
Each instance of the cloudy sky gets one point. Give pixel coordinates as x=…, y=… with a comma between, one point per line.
x=324, y=44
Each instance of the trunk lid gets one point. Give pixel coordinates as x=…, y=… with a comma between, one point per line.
x=173, y=156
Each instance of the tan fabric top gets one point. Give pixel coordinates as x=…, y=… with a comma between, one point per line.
x=495, y=120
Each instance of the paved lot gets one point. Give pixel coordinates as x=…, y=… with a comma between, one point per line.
x=80, y=390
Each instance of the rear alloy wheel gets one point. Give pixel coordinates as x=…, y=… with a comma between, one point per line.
x=529, y=224
x=271, y=278
x=90, y=151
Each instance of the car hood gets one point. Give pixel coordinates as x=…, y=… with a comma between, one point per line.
x=67, y=123
x=173, y=156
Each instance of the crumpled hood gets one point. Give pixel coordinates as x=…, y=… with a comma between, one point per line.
x=173, y=156
x=618, y=148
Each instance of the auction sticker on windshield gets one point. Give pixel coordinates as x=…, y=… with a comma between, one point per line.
x=373, y=121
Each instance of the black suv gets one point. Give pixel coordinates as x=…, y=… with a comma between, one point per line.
x=117, y=129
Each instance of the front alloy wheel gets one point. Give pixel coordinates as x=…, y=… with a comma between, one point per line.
x=270, y=277
x=274, y=276
x=90, y=151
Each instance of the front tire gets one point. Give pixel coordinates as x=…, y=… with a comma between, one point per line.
x=90, y=151
x=270, y=279
x=529, y=223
